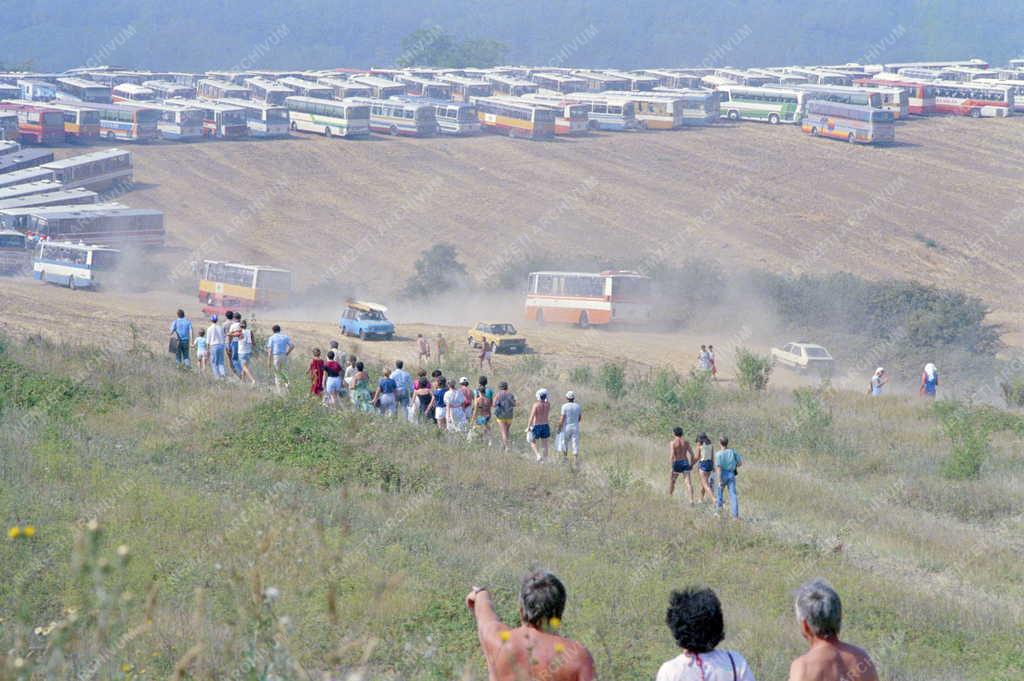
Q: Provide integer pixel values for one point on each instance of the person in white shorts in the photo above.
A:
(569, 428)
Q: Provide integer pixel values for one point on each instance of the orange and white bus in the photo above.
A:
(515, 117)
(571, 118)
(585, 299)
(233, 286)
(920, 95)
(976, 99)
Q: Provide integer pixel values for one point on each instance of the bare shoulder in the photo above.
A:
(798, 668)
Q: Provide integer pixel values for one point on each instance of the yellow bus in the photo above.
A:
(516, 117)
(233, 286)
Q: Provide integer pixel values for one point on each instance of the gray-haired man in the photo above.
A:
(820, 614)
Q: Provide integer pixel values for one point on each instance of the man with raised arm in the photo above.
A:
(820, 614)
(533, 650)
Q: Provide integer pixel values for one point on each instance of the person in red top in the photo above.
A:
(332, 379)
(316, 374)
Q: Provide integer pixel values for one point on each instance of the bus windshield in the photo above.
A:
(12, 241)
(104, 261)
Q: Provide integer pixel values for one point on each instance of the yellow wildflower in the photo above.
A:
(505, 635)
(127, 668)
(555, 622)
(29, 531)
(14, 532)
(559, 648)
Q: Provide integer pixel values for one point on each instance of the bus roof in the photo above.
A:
(44, 210)
(376, 81)
(72, 212)
(62, 198)
(252, 104)
(78, 246)
(132, 89)
(206, 104)
(292, 83)
(267, 84)
(72, 161)
(82, 83)
(244, 266)
(25, 175)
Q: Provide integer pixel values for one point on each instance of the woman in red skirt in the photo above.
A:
(316, 374)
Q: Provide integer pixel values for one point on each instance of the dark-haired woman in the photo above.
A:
(695, 619)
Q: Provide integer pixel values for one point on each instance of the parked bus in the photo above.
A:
(37, 90)
(896, 67)
(560, 83)
(593, 81)
(344, 88)
(700, 107)
(966, 73)
(232, 77)
(37, 174)
(75, 265)
(134, 123)
(20, 218)
(9, 129)
(9, 92)
(401, 116)
(463, 88)
(778, 77)
(267, 91)
(571, 118)
(638, 82)
(166, 89)
(234, 286)
(15, 191)
(382, 87)
(819, 77)
(96, 170)
(920, 95)
(515, 117)
(129, 226)
(128, 93)
(587, 299)
(220, 121)
(976, 99)
(854, 123)
(25, 158)
(775, 105)
(605, 112)
(674, 79)
(1017, 88)
(81, 121)
(655, 110)
(456, 118)
(740, 77)
(219, 89)
(84, 90)
(844, 95)
(263, 120)
(36, 123)
(511, 86)
(177, 121)
(15, 256)
(306, 88)
(347, 118)
(62, 197)
(425, 87)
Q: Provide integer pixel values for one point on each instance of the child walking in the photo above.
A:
(316, 374)
(201, 352)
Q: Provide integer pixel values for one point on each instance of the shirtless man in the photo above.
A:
(538, 426)
(820, 614)
(681, 459)
(533, 650)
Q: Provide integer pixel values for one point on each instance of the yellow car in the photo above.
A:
(502, 335)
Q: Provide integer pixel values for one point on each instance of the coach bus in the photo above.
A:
(1016, 87)
(134, 123)
(560, 83)
(130, 226)
(774, 105)
(344, 88)
(220, 121)
(263, 120)
(593, 81)
(739, 77)
(464, 88)
(778, 77)
(128, 93)
(219, 89)
(819, 77)
(515, 117)
(854, 123)
(382, 87)
(267, 91)
(638, 82)
(456, 118)
(234, 286)
(15, 255)
(166, 89)
(605, 112)
(976, 99)
(176, 121)
(9, 92)
(401, 116)
(700, 107)
(96, 170)
(654, 110)
(348, 118)
(74, 265)
(81, 121)
(844, 95)
(37, 123)
(425, 87)
(674, 79)
(587, 299)
(920, 95)
(511, 86)
(306, 88)
(84, 90)
(571, 117)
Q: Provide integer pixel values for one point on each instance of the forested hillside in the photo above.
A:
(322, 33)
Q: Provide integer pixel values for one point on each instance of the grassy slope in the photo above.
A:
(213, 487)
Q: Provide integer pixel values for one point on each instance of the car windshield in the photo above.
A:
(503, 329)
(816, 352)
(372, 316)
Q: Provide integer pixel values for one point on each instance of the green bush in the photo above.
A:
(752, 370)
(968, 432)
(812, 418)
(612, 377)
(1013, 392)
(581, 375)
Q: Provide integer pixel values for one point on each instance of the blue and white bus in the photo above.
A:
(75, 265)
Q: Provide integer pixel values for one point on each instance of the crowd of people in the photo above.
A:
(536, 650)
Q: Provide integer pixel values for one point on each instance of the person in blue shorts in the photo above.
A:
(538, 428)
(681, 459)
(929, 380)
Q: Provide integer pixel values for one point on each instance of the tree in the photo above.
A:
(438, 267)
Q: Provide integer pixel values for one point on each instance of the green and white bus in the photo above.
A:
(348, 118)
(774, 105)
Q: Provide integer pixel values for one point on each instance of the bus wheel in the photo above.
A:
(327, 131)
(110, 135)
(734, 115)
(584, 320)
(393, 131)
(975, 113)
(851, 138)
(773, 119)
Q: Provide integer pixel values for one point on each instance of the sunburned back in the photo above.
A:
(541, 411)
(531, 654)
(834, 662)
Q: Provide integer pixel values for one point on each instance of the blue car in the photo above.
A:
(366, 320)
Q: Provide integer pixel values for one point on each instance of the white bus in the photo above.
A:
(605, 112)
(75, 265)
(166, 89)
(740, 77)
(595, 81)
(654, 110)
(14, 253)
(511, 86)
(268, 91)
(84, 90)
(589, 298)
(700, 106)
(860, 96)
(37, 90)
(674, 79)
(348, 118)
(774, 105)
(306, 88)
(219, 120)
(560, 83)
(128, 93)
(177, 121)
(463, 88)
(219, 89)
(456, 118)
(96, 170)
(264, 120)
(344, 88)
(382, 87)
(425, 87)
(637, 81)
(1017, 88)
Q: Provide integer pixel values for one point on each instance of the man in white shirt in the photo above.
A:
(569, 428)
(215, 341)
(403, 387)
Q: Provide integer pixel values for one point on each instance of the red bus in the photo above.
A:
(39, 124)
(920, 96)
(975, 99)
(585, 299)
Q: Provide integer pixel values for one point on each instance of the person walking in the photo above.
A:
(403, 389)
(437, 403)
(705, 466)
(486, 353)
(350, 372)
(681, 461)
(714, 364)
(384, 398)
(537, 427)
(316, 374)
(442, 349)
(695, 619)
(181, 331)
(878, 381)
(455, 405)
(704, 359)
(245, 346)
(362, 398)
(331, 379)
(534, 649)
(504, 411)
(422, 349)
(929, 381)
(819, 612)
(423, 395)
(202, 353)
(569, 429)
(215, 339)
(483, 401)
(727, 463)
(233, 335)
(279, 347)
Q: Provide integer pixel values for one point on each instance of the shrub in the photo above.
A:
(581, 375)
(1013, 392)
(752, 370)
(812, 417)
(968, 432)
(612, 377)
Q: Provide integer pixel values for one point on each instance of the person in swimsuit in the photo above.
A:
(316, 374)
(422, 348)
(929, 381)
(538, 427)
(422, 394)
(706, 465)
(486, 353)
(437, 403)
(332, 379)
(681, 460)
(504, 411)
(362, 398)
(483, 399)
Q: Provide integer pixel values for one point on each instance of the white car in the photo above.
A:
(803, 356)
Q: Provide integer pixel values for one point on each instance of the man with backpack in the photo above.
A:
(727, 461)
(504, 410)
